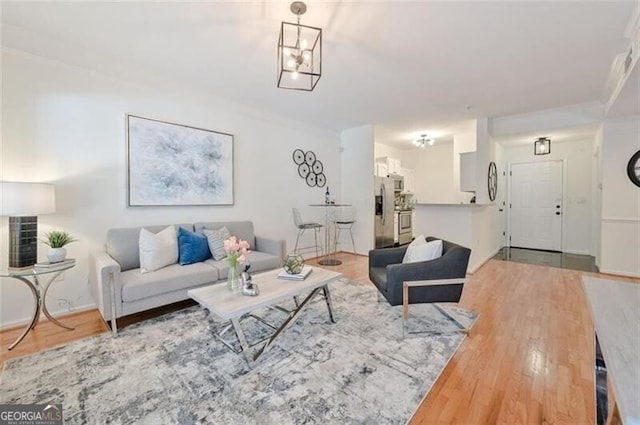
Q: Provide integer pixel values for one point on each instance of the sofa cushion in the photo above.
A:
(215, 239)
(136, 285)
(122, 244)
(260, 262)
(239, 229)
(157, 250)
(193, 247)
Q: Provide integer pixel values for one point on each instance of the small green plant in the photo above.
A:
(57, 239)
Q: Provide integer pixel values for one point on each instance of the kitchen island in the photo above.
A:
(475, 226)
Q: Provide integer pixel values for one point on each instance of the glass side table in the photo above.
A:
(31, 277)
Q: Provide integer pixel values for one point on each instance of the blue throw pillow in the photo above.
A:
(193, 247)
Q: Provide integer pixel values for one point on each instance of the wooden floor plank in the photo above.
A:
(529, 358)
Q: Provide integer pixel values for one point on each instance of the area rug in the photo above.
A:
(170, 370)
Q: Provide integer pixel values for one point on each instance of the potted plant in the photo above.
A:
(56, 240)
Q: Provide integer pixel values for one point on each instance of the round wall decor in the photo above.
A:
(309, 168)
(633, 169)
(492, 181)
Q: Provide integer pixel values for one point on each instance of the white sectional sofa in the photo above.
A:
(119, 289)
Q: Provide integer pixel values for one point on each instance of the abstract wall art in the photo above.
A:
(172, 164)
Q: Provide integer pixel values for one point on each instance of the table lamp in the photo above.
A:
(22, 203)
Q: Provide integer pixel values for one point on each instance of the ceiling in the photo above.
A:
(408, 67)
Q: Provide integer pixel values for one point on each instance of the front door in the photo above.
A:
(535, 212)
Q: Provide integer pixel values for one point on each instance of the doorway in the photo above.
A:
(535, 205)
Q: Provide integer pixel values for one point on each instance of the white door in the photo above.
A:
(536, 205)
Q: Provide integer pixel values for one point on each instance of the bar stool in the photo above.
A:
(302, 227)
(344, 220)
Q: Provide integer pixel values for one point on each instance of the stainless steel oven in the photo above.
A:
(405, 227)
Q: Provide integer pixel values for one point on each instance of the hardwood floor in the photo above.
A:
(529, 359)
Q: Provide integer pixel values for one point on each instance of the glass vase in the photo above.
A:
(233, 278)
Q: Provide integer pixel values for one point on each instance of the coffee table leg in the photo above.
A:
(327, 298)
(242, 340)
(290, 320)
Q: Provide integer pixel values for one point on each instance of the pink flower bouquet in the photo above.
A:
(237, 251)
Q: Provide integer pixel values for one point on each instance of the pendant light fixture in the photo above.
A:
(299, 53)
(542, 146)
(423, 141)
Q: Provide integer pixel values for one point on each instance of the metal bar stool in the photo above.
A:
(344, 220)
(302, 227)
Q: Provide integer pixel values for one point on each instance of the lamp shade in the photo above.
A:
(26, 199)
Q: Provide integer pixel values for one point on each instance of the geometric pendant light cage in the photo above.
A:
(542, 146)
(299, 53)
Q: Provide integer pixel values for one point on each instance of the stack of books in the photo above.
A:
(306, 270)
(46, 265)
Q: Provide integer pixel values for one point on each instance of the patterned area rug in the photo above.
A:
(170, 370)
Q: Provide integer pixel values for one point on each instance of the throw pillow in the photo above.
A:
(157, 250)
(419, 240)
(426, 252)
(216, 240)
(193, 247)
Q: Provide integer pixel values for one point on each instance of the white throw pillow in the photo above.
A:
(158, 250)
(417, 241)
(425, 252)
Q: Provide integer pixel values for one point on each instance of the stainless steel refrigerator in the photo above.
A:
(384, 209)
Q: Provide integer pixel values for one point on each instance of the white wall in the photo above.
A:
(577, 157)
(66, 125)
(406, 156)
(434, 175)
(620, 237)
(472, 226)
(357, 147)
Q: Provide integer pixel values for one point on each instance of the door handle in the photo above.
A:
(557, 206)
(557, 212)
(500, 210)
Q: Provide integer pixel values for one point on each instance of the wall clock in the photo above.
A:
(492, 181)
(309, 168)
(633, 169)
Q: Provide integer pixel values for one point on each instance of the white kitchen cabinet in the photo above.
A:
(393, 164)
(468, 172)
(381, 170)
(409, 175)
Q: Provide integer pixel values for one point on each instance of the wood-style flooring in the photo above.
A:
(528, 360)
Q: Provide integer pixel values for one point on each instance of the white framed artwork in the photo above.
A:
(172, 164)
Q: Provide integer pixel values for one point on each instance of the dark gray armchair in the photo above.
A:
(434, 281)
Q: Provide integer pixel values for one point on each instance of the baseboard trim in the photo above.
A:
(619, 273)
(59, 314)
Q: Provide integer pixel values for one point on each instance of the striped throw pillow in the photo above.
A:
(216, 239)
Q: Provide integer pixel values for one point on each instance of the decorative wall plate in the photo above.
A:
(317, 167)
(310, 158)
(311, 179)
(303, 170)
(298, 156)
(633, 169)
(320, 180)
(492, 181)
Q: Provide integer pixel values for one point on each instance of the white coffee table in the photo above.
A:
(232, 306)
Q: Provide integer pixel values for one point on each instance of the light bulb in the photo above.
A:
(303, 44)
(294, 75)
(307, 57)
(430, 142)
(291, 63)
